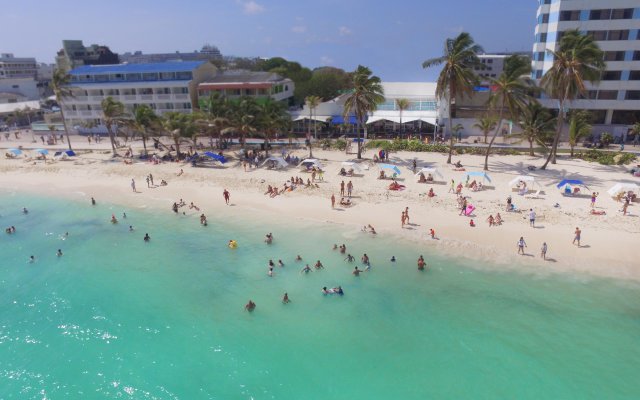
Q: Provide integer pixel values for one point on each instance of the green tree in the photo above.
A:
(312, 103)
(273, 118)
(243, 115)
(179, 126)
(486, 124)
(366, 95)
(402, 105)
(577, 60)
(145, 122)
(510, 93)
(113, 114)
(579, 127)
(61, 89)
(537, 125)
(457, 78)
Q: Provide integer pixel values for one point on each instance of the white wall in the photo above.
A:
(25, 86)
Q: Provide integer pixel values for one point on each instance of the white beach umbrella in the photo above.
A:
(622, 187)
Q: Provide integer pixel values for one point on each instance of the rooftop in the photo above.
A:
(245, 77)
(172, 66)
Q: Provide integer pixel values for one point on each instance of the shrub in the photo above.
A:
(607, 157)
(606, 139)
(341, 144)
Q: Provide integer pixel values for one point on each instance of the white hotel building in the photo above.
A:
(615, 25)
(165, 87)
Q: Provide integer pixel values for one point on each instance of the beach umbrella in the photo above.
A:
(430, 170)
(70, 153)
(16, 151)
(524, 178)
(575, 182)
(216, 157)
(484, 175)
(622, 187)
(391, 167)
(44, 152)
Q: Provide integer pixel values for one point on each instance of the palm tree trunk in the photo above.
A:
(450, 123)
(493, 138)
(486, 133)
(66, 130)
(144, 143)
(112, 140)
(572, 151)
(552, 154)
(531, 148)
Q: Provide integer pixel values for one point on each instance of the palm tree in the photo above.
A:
(145, 119)
(579, 127)
(635, 130)
(114, 113)
(510, 92)
(61, 89)
(578, 60)
(243, 117)
(179, 125)
(486, 124)
(273, 117)
(401, 105)
(457, 77)
(537, 125)
(312, 103)
(367, 93)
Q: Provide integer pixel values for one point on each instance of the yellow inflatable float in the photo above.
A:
(233, 244)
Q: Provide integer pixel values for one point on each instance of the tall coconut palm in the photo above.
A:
(510, 92)
(145, 121)
(457, 78)
(401, 105)
(273, 118)
(579, 127)
(536, 123)
(113, 114)
(61, 89)
(486, 124)
(367, 93)
(243, 116)
(312, 103)
(577, 60)
(179, 126)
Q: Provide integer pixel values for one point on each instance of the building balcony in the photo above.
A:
(181, 96)
(80, 99)
(87, 113)
(163, 96)
(129, 97)
(146, 97)
(97, 98)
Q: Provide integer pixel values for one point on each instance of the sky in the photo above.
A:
(390, 37)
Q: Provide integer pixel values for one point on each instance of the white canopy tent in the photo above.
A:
(524, 178)
(352, 165)
(278, 162)
(430, 170)
(309, 163)
(622, 187)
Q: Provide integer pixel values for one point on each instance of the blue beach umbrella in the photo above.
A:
(391, 167)
(15, 151)
(484, 175)
(216, 157)
(44, 152)
(70, 153)
(566, 182)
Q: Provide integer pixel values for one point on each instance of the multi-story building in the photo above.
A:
(169, 86)
(233, 84)
(17, 67)
(207, 53)
(615, 26)
(15, 90)
(74, 54)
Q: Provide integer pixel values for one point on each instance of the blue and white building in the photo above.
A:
(165, 87)
(615, 25)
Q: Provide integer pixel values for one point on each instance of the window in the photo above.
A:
(573, 15)
(600, 14)
(622, 13)
(15, 86)
(598, 35)
(618, 35)
(490, 61)
(539, 56)
(545, 2)
(539, 74)
(543, 38)
(545, 18)
(608, 95)
(634, 75)
(636, 56)
(184, 75)
(598, 116)
(614, 55)
(633, 95)
(589, 95)
(611, 75)
(167, 76)
(625, 117)
(149, 76)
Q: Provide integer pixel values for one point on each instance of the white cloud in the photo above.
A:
(251, 7)
(325, 60)
(299, 29)
(344, 31)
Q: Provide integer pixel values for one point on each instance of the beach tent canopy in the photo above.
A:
(622, 187)
(44, 152)
(350, 164)
(17, 152)
(484, 175)
(278, 161)
(575, 182)
(391, 167)
(309, 163)
(430, 170)
(339, 119)
(524, 178)
(216, 157)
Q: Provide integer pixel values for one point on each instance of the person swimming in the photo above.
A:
(32, 259)
(59, 253)
(298, 258)
(393, 258)
(114, 220)
(271, 263)
(318, 265)
(421, 263)
(25, 211)
(306, 269)
(130, 228)
(147, 237)
(350, 258)
(250, 306)
(268, 238)
(285, 298)
(280, 263)
(356, 271)
(270, 273)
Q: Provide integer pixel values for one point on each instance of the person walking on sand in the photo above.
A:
(543, 251)
(532, 218)
(594, 196)
(342, 189)
(406, 214)
(148, 181)
(403, 219)
(349, 188)
(577, 234)
(226, 196)
(333, 200)
(452, 189)
(151, 179)
(133, 185)
(521, 245)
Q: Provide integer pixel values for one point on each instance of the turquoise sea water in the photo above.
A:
(117, 318)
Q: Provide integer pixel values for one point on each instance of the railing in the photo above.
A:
(86, 113)
(181, 96)
(80, 98)
(163, 96)
(129, 97)
(68, 114)
(146, 97)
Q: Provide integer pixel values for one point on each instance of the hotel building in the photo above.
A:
(165, 87)
(614, 102)
(260, 85)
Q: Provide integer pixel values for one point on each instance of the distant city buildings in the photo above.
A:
(615, 26)
(207, 53)
(74, 54)
(17, 67)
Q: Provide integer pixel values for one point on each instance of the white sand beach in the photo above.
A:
(608, 241)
